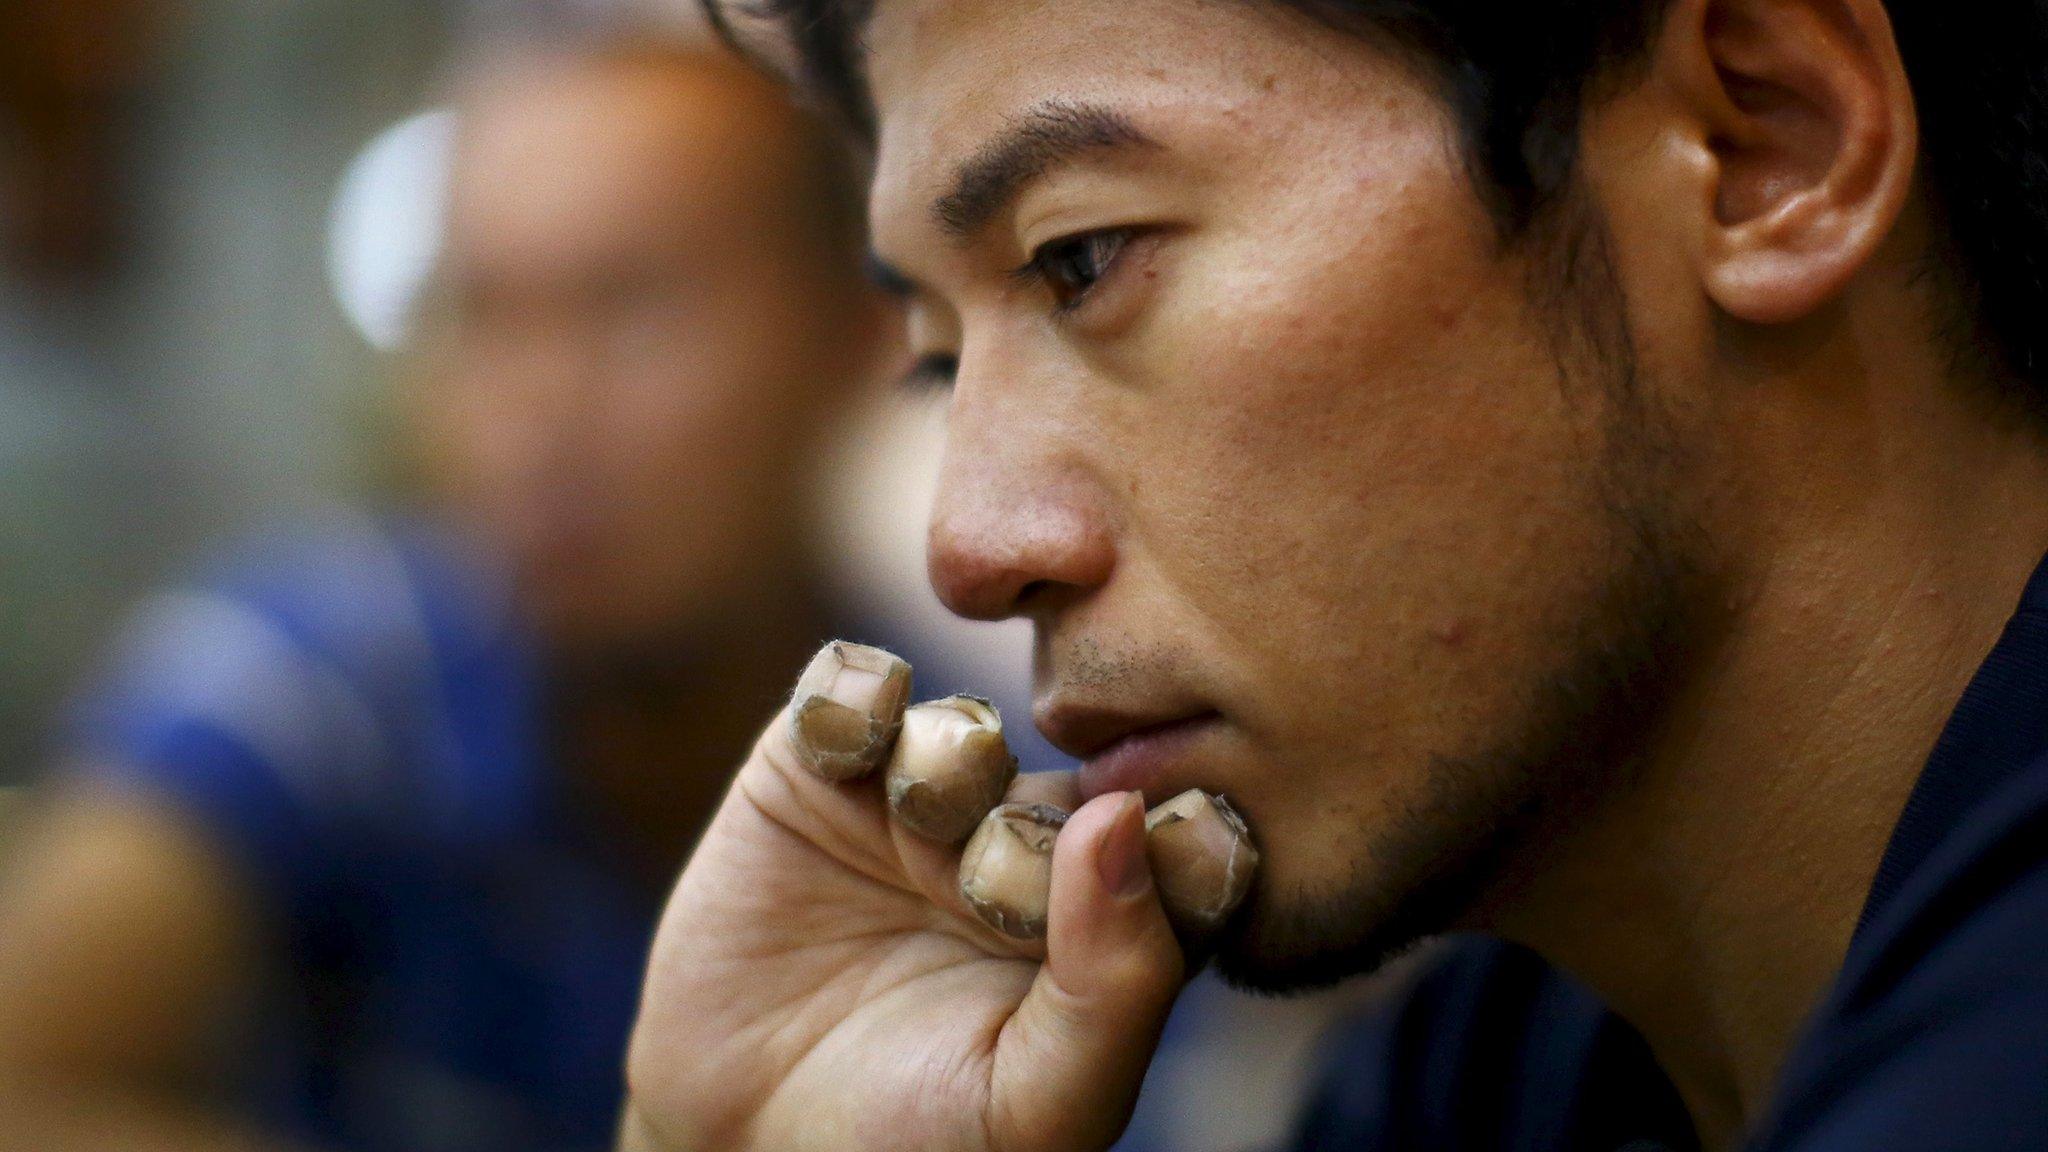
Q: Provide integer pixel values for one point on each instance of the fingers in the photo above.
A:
(1006, 871)
(948, 765)
(847, 711)
(1107, 929)
(951, 766)
(1204, 858)
(1062, 790)
(1077, 890)
(951, 778)
(1113, 967)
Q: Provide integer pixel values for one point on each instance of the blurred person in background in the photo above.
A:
(68, 68)
(366, 829)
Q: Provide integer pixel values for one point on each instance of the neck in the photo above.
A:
(1716, 926)
(649, 736)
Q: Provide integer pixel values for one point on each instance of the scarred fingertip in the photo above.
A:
(950, 768)
(1006, 868)
(1205, 859)
(848, 709)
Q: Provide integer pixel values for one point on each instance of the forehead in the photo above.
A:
(585, 158)
(948, 75)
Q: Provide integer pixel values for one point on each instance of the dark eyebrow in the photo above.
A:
(1049, 135)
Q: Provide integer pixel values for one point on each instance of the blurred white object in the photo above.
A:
(386, 226)
(877, 504)
(877, 501)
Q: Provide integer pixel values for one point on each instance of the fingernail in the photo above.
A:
(950, 767)
(848, 708)
(1006, 869)
(1206, 860)
(1121, 858)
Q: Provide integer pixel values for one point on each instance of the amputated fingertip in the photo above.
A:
(848, 709)
(1006, 869)
(950, 768)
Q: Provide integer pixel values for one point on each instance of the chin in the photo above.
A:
(1294, 956)
(584, 637)
(1408, 884)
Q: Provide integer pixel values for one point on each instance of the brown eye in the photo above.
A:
(1072, 266)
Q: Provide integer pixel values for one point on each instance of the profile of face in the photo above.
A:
(642, 328)
(1314, 493)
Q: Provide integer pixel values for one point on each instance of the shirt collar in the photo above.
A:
(1997, 729)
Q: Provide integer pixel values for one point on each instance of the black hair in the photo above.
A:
(1517, 74)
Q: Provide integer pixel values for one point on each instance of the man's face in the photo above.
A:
(636, 347)
(1310, 504)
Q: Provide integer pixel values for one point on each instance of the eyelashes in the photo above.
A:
(1070, 267)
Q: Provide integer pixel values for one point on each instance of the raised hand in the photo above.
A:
(819, 982)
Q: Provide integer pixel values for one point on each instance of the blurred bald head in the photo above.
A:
(651, 306)
(681, 146)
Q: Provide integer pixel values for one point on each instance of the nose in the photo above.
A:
(1019, 520)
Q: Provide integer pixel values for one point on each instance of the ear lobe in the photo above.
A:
(1812, 130)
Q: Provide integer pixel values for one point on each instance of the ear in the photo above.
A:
(1807, 122)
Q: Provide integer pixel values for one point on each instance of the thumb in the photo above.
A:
(1086, 1031)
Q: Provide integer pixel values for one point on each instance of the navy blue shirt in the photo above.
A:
(1934, 1036)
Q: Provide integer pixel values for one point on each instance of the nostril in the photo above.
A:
(1031, 593)
(971, 583)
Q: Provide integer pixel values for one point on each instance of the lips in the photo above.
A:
(1128, 752)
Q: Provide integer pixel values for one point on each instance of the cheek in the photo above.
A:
(1389, 475)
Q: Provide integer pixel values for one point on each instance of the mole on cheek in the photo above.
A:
(1449, 633)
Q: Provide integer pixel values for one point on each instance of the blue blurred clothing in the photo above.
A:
(1935, 1035)
(350, 708)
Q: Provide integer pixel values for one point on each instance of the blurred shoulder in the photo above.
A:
(337, 573)
(332, 682)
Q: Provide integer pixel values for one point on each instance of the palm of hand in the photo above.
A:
(861, 1005)
(819, 982)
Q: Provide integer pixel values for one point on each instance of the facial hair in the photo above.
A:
(1487, 817)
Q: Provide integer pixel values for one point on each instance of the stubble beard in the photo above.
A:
(1487, 819)
(1484, 821)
